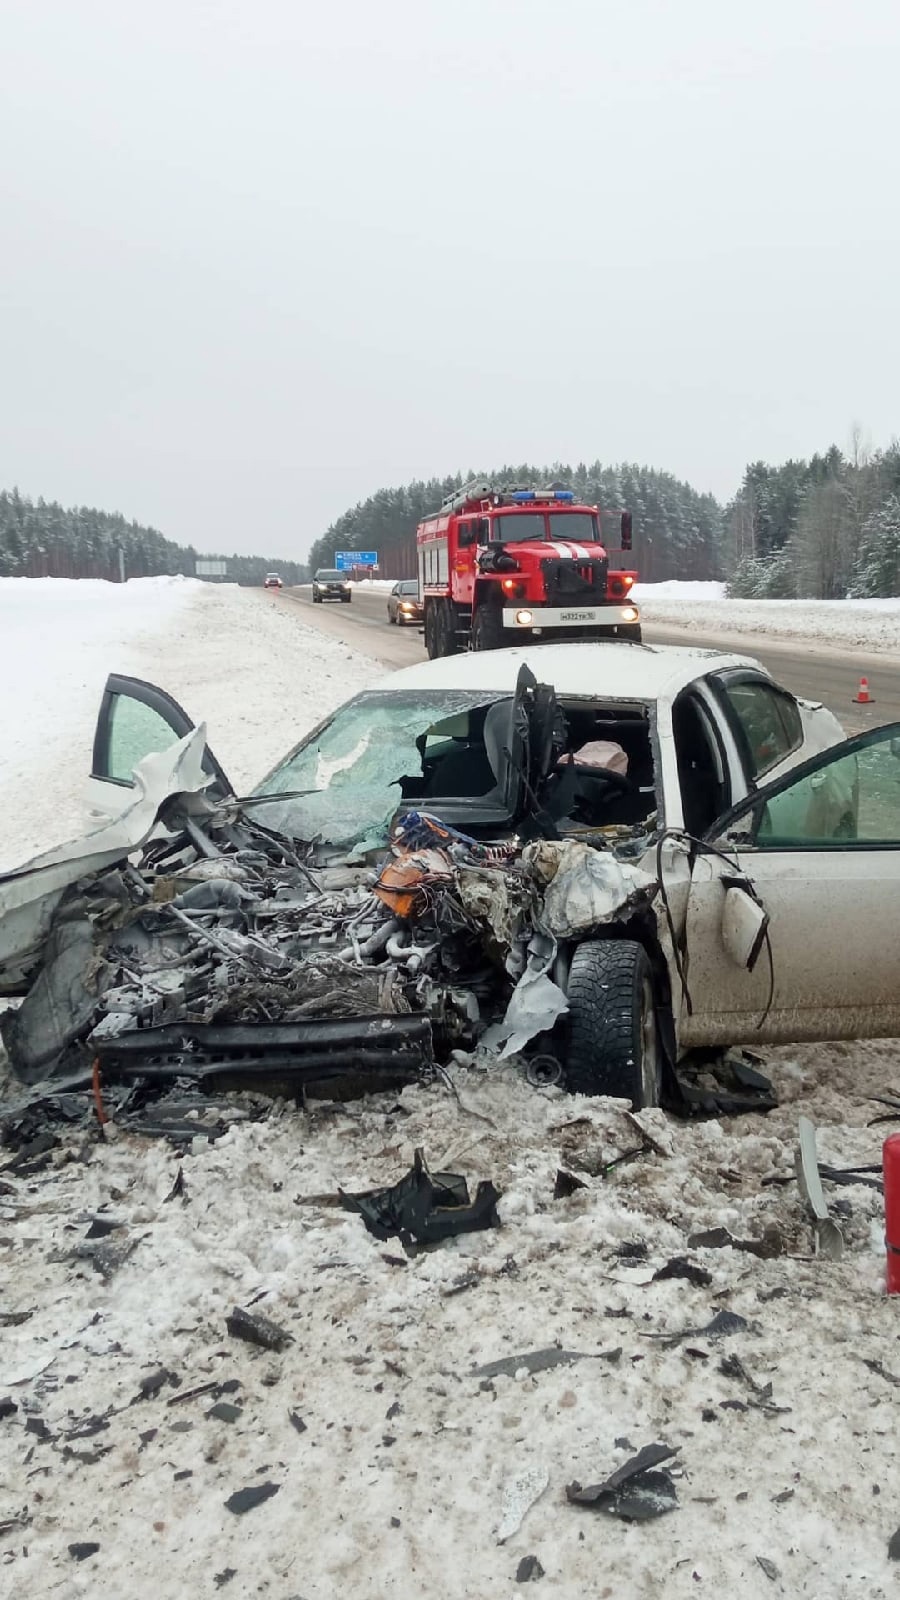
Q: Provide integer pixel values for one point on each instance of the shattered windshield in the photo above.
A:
(353, 765)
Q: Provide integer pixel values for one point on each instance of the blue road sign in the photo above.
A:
(345, 559)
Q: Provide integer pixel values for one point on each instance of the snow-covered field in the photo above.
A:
(841, 624)
(239, 658)
(393, 1460)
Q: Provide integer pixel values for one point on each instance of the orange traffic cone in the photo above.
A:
(863, 698)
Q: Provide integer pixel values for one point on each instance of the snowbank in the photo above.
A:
(863, 624)
(240, 659)
(390, 1454)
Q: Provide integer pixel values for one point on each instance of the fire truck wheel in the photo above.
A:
(444, 629)
(487, 628)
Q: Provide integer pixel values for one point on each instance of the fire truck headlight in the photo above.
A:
(630, 613)
(524, 618)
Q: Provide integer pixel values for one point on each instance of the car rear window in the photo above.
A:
(768, 720)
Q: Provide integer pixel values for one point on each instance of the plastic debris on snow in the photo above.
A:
(636, 1491)
(425, 1208)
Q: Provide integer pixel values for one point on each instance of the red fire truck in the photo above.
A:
(497, 565)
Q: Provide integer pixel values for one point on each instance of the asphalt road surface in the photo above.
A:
(814, 671)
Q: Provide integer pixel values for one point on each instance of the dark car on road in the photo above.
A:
(328, 584)
(404, 604)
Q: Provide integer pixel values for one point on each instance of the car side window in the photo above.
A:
(768, 722)
(851, 801)
(135, 731)
(848, 798)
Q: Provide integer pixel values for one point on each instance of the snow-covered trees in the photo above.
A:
(43, 540)
(878, 567)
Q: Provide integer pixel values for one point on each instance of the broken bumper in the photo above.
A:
(381, 1051)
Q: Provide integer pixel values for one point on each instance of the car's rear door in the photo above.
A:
(820, 849)
(136, 719)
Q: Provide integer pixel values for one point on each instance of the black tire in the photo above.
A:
(345, 599)
(614, 1045)
(487, 627)
(445, 641)
(390, 618)
(317, 599)
(430, 631)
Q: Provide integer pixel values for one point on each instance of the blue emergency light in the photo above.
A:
(524, 494)
(565, 494)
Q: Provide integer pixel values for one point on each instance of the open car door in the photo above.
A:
(137, 719)
(793, 919)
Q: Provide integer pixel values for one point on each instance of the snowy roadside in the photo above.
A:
(843, 624)
(390, 1454)
(240, 659)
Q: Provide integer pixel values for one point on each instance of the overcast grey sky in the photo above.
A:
(259, 260)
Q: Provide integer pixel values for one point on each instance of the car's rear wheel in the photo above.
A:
(614, 1044)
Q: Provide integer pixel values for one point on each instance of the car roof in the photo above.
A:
(617, 670)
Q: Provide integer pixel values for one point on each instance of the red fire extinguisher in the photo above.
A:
(891, 1164)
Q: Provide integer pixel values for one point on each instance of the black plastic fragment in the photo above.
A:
(81, 1550)
(224, 1411)
(531, 1360)
(88, 1427)
(155, 1381)
(566, 1184)
(225, 1576)
(710, 1239)
(894, 1546)
(529, 1570)
(723, 1324)
(102, 1226)
(38, 1426)
(257, 1329)
(8, 1407)
(680, 1267)
(636, 1492)
(425, 1207)
(248, 1499)
(296, 1421)
(177, 1188)
(769, 1568)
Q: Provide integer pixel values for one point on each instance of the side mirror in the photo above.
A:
(744, 924)
(627, 524)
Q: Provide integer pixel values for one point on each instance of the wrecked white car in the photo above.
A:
(601, 857)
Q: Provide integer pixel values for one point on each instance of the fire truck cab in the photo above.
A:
(497, 565)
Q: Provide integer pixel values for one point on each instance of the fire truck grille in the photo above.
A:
(574, 580)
